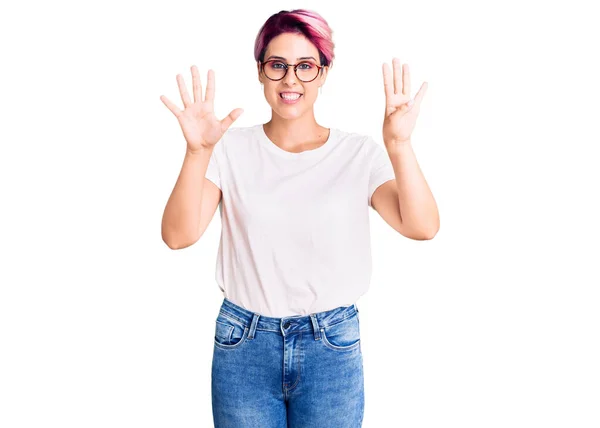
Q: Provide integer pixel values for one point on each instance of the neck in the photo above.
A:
(293, 133)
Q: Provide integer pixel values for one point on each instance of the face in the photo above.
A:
(291, 47)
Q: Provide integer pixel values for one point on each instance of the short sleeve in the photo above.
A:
(381, 168)
(214, 171)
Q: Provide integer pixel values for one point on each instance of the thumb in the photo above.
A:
(230, 118)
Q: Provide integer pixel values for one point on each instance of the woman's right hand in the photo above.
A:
(200, 126)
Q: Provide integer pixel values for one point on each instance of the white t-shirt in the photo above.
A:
(295, 235)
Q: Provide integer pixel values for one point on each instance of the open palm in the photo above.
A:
(400, 111)
(200, 126)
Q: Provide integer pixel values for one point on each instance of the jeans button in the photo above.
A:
(286, 325)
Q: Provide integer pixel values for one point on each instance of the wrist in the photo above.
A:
(398, 146)
(198, 152)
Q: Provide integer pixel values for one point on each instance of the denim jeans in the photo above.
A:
(296, 371)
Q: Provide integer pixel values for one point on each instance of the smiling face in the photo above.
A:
(293, 48)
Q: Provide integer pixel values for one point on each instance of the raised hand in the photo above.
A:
(400, 111)
(200, 126)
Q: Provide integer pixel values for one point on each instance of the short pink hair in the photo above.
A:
(299, 21)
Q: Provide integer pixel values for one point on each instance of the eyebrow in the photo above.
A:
(302, 57)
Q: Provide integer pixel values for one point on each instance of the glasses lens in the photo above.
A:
(274, 70)
(306, 71)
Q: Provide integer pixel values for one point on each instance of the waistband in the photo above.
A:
(286, 325)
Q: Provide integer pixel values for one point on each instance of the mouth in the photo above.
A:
(289, 93)
(290, 97)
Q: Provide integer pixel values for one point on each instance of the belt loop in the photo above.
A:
(253, 326)
(315, 324)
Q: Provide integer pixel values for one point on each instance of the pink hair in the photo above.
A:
(299, 21)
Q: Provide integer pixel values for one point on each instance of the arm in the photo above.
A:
(407, 200)
(181, 218)
(407, 203)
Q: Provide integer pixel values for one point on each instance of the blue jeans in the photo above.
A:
(295, 371)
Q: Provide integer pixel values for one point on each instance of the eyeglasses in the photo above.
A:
(306, 71)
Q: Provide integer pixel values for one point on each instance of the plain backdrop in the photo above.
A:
(493, 323)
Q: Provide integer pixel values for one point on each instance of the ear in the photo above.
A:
(323, 77)
(258, 71)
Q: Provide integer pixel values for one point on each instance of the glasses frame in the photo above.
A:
(287, 67)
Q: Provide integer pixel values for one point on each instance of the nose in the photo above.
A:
(290, 77)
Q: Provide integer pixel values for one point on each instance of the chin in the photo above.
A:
(289, 114)
(289, 110)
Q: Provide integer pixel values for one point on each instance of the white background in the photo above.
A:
(493, 323)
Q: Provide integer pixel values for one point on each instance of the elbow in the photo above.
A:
(178, 245)
(178, 242)
(170, 242)
(421, 235)
(430, 234)
(172, 245)
(428, 237)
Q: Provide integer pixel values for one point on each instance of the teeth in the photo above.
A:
(290, 97)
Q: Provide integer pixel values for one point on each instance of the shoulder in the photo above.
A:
(238, 133)
(363, 143)
(235, 137)
(354, 138)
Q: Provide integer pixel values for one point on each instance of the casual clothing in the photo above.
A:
(295, 372)
(295, 236)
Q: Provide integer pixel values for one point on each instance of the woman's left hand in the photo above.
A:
(400, 111)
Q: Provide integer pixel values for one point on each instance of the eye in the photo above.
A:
(307, 64)
(278, 65)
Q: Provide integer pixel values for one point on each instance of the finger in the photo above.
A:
(210, 86)
(420, 94)
(197, 84)
(174, 109)
(185, 97)
(406, 80)
(227, 121)
(397, 76)
(387, 83)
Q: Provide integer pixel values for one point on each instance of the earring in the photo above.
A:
(321, 89)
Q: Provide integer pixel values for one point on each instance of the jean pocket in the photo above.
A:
(229, 332)
(343, 336)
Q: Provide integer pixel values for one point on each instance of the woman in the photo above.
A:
(294, 254)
